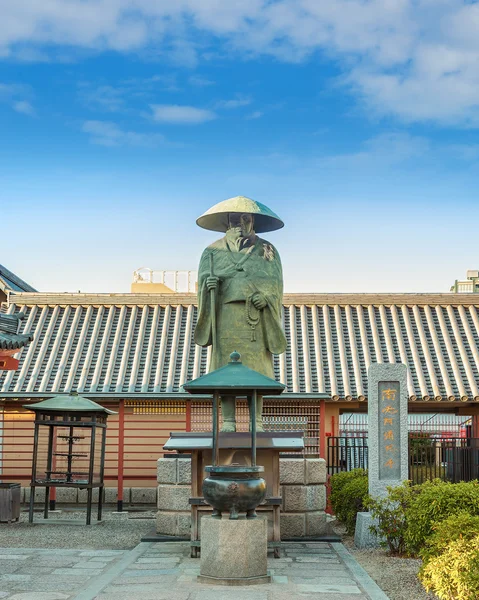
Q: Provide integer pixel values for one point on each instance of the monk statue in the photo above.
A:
(243, 273)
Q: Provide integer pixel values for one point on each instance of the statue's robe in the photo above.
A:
(242, 273)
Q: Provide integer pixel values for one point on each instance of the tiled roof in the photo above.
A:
(134, 343)
(10, 339)
(11, 282)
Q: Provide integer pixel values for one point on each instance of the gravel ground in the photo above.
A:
(113, 533)
(397, 577)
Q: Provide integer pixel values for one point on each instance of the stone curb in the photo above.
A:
(362, 577)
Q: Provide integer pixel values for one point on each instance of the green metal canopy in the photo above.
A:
(216, 218)
(234, 376)
(69, 403)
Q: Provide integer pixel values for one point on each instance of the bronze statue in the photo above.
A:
(240, 292)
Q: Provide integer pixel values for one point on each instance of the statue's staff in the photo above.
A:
(216, 416)
(213, 308)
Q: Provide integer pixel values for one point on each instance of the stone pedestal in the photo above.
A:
(234, 552)
(363, 536)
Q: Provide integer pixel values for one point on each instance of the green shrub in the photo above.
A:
(432, 502)
(349, 493)
(390, 513)
(454, 574)
(462, 526)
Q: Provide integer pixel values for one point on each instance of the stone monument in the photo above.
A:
(240, 293)
(387, 438)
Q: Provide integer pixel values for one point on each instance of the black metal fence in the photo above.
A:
(451, 459)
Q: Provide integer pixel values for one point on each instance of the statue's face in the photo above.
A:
(243, 221)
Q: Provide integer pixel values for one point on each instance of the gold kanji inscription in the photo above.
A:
(389, 463)
(388, 421)
(389, 394)
(390, 410)
(389, 435)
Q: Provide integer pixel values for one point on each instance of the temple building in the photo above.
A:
(132, 352)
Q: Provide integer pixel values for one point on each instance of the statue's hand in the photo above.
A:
(259, 301)
(212, 283)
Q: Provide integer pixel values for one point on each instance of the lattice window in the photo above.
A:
(157, 407)
(278, 415)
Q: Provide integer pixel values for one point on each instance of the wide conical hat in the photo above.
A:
(216, 218)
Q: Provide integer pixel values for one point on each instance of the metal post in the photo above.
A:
(216, 449)
(121, 448)
(49, 469)
(90, 474)
(102, 472)
(34, 472)
(253, 427)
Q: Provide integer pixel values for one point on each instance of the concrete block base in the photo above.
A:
(243, 581)
(363, 536)
(234, 552)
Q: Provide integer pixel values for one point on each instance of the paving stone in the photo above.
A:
(331, 588)
(229, 593)
(102, 559)
(318, 559)
(157, 560)
(280, 579)
(145, 592)
(159, 580)
(14, 556)
(36, 570)
(150, 572)
(74, 572)
(39, 596)
(171, 564)
(319, 579)
(102, 553)
(14, 577)
(89, 565)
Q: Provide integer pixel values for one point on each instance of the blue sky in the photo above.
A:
(357, 121)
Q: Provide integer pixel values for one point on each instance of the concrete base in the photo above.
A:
(234, 552)
(363, 536)
(238, 581)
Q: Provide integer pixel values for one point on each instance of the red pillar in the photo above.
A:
(121, 452)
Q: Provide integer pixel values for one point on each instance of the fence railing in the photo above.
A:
(451, 459)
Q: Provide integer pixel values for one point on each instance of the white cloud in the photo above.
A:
(106, 133)
(413, 59)
(257, 114)
(199, 81)
(24, 107)
(237, 102)
(14, 94)
(384, 150)
(187, 115)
